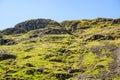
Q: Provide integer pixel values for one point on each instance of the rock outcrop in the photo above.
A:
(30, 25)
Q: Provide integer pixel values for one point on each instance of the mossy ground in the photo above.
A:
(56, 53)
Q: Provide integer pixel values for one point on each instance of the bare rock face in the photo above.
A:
(115, 65)
(116, 21)
(30, 25)
(36, 24)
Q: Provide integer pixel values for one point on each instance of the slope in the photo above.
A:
(73, 50)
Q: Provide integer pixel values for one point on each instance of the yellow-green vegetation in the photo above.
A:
(75, 50)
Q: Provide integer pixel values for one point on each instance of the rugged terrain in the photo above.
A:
(43, 49)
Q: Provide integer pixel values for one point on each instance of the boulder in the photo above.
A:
(109, 37)
(30, 71)
(41, 70)
(29, 65)
(71, 70)
(7, 42)
(96, 37)
(4, 56)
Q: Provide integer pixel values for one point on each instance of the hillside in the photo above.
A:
(43, 49)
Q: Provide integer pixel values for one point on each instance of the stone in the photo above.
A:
(40, 70)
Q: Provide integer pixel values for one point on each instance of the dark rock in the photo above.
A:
(30, 71)
(62, 50)
(13, 30)
(109, 37)
(33, 36)
(9, 31)
(100, 66)
(84, 27)
(27, 57)
(41, 70)
(7, 78)
(7, 42)
(29, 65)
(71, 70)
(7, 56)
(96, 37)
(62, 76)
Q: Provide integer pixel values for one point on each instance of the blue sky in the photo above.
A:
(15, 11)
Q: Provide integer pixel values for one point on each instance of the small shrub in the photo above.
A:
(34, 36)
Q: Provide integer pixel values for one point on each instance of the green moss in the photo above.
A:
(89, 59)
(104, 61)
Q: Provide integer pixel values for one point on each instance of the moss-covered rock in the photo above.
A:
(30, 25)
